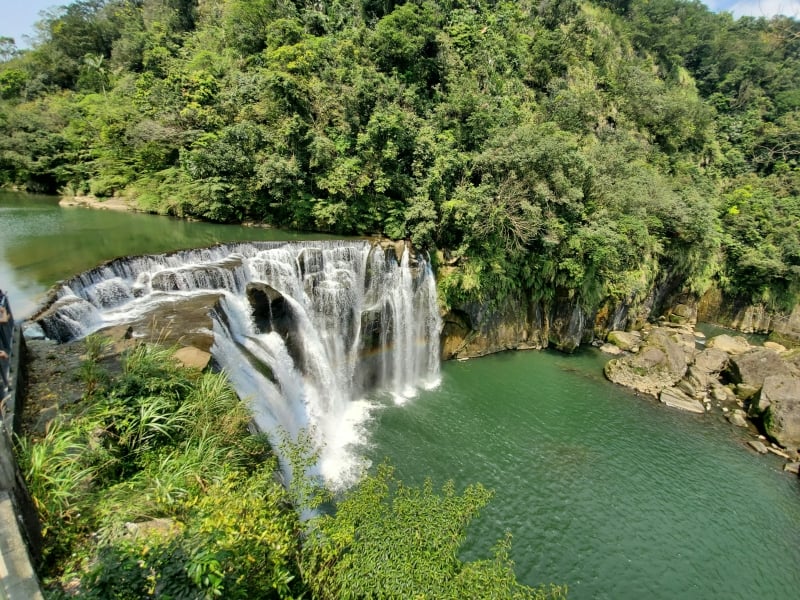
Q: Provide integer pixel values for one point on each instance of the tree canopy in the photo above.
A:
(560, 146)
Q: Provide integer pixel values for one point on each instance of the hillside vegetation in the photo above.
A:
(560, 147)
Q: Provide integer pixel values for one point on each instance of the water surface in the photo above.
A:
(613, 494)
(41, 242)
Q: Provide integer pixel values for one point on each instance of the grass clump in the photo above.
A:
(154, 487)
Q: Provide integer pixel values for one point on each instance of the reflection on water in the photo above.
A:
(41, 242)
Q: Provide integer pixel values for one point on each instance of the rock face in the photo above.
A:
(660, 363)
(476, 330)
(713, 307)
(766, 381)
(779, 405)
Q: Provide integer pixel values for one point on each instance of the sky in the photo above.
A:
(18, 16)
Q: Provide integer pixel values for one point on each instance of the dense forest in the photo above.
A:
(555, 146)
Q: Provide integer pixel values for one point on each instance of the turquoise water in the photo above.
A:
(612, 494)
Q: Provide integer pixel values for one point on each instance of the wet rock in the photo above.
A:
(737, 418)
(567, 326)
(729, 344)
(758, 446)
(675, 398)
(474, 329)
(792, 467)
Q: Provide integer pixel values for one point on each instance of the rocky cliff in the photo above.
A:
(522, 322)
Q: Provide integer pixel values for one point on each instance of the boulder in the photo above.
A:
(792, 467)
(661, 363)
(729, 344)
(625, 340)
(193, 358)
(752, 367)
(779, 403)
(710, 361)
(737, 418)
(758, 446)
(675, 398)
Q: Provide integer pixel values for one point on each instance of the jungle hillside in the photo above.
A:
(545, 146)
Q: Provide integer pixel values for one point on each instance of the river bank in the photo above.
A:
(119, 203)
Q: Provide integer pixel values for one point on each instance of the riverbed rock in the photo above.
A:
(625, 340)
(675, 398)
(729, 344)
(711, 361)
(779, 404)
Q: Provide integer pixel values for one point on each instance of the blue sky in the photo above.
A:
(18, 16)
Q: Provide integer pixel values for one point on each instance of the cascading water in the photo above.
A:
(304, 330)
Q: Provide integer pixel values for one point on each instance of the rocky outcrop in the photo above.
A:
(660, 363)
(667, 366)
(749, 370)
(779, 407)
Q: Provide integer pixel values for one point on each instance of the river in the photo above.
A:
(612, 494)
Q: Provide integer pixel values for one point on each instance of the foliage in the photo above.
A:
(529, 141)
(388, 540)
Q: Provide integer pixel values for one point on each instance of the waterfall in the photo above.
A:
(309, 333)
